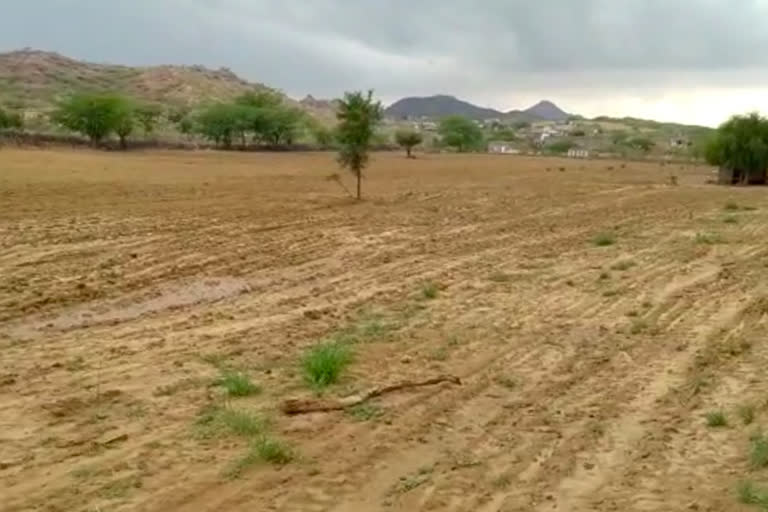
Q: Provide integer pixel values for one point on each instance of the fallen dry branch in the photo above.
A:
(306, 405)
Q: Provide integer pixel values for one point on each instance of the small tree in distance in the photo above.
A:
(358, 116)
(460, 133)
(408, 139)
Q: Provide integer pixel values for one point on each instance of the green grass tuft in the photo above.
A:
(709, 238)
(323, 364)
(732, 206)
(215, 421)
(237, 384)
(747, 414)
(429, 290)
(716, 419)
(604, 239)
(751, 494)
(730, 220)
(261, 450)
(758, 453)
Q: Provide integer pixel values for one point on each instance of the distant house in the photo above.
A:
(578, 153)
(502, 147)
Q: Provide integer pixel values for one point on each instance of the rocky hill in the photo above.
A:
(438, 106)
(31, 79)
(442, 105)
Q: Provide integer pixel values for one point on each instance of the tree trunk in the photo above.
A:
(359, 178)
(408, 152)
(123, 143)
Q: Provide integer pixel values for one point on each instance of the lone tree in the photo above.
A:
(460, 133)
(408, 139)
(358, 115)
(740, 147)
(94, 115)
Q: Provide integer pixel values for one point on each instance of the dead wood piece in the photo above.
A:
(306, 405)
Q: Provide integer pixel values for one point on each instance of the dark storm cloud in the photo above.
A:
(479, 48)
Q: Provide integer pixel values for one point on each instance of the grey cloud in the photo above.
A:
(478, 49)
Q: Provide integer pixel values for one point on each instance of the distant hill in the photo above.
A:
(442, 105)
(35, 80)
(545, 111)
(438, 106)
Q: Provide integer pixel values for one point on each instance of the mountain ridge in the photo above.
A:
(441, 105)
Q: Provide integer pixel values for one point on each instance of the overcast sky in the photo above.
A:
(685, 60)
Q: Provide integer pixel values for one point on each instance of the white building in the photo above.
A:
(578, 153)
(502, 147)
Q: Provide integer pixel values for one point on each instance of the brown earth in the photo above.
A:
(127, 280)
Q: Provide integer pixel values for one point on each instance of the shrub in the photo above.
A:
(323, 364)
(237, 384)
(604, 239)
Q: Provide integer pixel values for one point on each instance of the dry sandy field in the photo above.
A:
(607, 326)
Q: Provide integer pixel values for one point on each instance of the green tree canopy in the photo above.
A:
(10, 121)
(95, 115)
(408, 139)
(358, 115)
(460, 133)
(741, 143)
(147, 115)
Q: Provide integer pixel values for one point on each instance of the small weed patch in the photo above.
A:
(429, 290)
(623, 266)
(751, 494)
(216, 421)
(323, 364)
(604, 239)
(747, 414)
(730, 220)
(364, 412)
(638, 326)
(604, 276)
(237, 384)
(500, 277)
(732, 206)
(263, 449)
(506, 382)
(709, 238)
(758, 452)
(716, 419)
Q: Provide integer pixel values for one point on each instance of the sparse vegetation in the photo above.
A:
(758, 453)
(323, 364)
(638, 326)
(708, 238)
(216, 420)
(730, 220)
(716, 419)
(237, 384)
(261, 450)
(364, 412)
(623, 265)
(429, 290)
(751, 494)
(747, 414)
(604, 239)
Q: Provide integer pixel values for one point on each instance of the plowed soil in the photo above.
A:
(129, 281)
